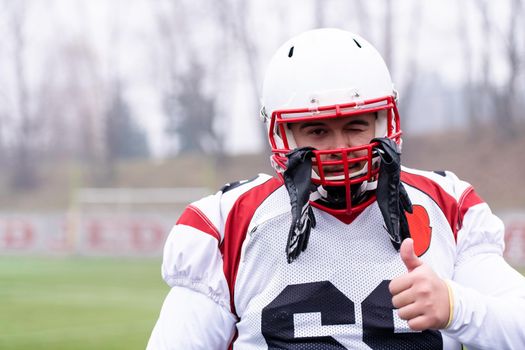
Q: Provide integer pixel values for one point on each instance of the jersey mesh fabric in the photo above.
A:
(344, 265)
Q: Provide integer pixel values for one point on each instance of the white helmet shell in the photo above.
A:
(324, 67)
(325, 73)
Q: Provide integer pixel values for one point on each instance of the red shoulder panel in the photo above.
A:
(468, 199)
(445, 201)
(454, 210)
(236, 228)
(192, 216)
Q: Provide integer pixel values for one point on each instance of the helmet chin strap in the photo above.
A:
(297, 181)
(336, 196)
(392, 198)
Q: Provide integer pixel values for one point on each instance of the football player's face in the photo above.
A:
(336, 133)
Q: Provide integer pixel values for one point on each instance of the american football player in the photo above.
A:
(344, 248)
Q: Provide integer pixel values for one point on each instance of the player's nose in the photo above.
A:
(340, 140)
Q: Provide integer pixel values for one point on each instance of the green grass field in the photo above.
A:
(78, 303)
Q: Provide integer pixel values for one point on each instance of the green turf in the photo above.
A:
(78, 303)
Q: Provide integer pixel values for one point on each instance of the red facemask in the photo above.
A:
(352, 187)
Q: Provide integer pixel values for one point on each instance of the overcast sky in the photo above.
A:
(273, 22)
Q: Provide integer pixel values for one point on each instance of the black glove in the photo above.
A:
(297, 181)
(392, 197)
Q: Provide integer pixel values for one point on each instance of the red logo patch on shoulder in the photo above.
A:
(420, 230)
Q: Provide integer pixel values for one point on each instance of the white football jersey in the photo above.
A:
(233, 287)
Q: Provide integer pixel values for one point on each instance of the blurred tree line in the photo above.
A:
(70, 103)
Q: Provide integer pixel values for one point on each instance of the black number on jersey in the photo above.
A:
(378, 325)
(323, 297)
(336, 309)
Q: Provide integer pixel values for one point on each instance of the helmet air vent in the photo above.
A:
(290, 53)
(357, 43)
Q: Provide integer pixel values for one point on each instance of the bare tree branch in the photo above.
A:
(388, 35)
(469, 85)
(25, 133)
(504, 100)
(320, 13)
(363, 17)
(411, 68)
(191, 112)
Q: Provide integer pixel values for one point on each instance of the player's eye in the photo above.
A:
(316, 131)
(355, 129)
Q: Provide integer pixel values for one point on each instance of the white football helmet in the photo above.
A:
(330, 73)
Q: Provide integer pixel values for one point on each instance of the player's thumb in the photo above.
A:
(408, 255)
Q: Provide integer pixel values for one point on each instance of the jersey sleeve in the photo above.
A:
(191, 320)
(488, 294)
(196, 313)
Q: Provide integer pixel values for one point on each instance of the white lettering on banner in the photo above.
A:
(124, 235)
(93, 234)
(17, 234)
(139, 234)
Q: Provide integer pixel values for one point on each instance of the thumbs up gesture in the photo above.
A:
(420, 295)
